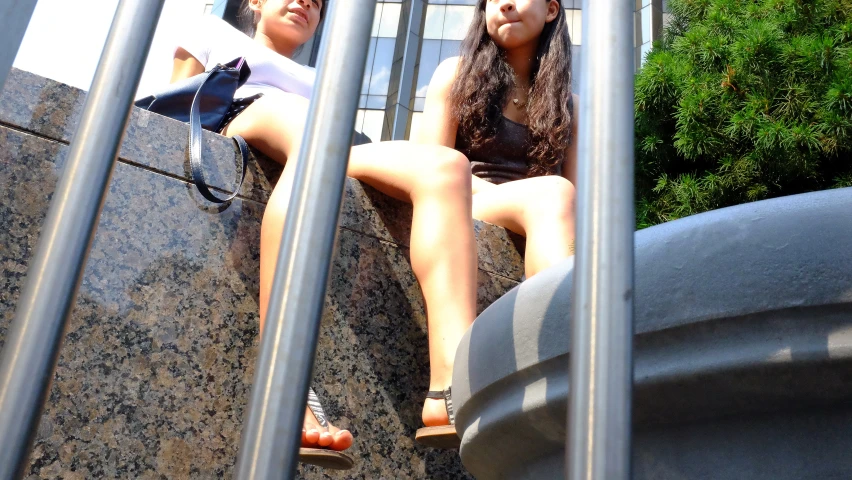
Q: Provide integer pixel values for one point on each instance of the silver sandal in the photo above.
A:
(323, 457)
(444, 436)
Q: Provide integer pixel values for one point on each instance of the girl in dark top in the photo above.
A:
(506, 103)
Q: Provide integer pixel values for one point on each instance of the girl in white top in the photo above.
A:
(213, 41)
(435, 179)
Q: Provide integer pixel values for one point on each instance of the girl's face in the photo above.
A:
(292, 20)
(513, 23)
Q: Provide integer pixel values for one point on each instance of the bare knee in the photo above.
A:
(554, 199)
(446, 172)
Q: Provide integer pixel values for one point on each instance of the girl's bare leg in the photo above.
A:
(436, 180)
(540, 208)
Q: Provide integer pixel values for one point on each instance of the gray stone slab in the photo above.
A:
(157, 364)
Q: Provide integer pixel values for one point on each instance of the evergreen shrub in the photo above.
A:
(743, 100)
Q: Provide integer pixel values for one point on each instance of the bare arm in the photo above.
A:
(569, 165)
(438, 125)
(185, 66)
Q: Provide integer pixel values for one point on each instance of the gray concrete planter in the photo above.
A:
(743, 352)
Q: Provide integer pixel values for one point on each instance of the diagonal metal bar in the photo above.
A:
(272, 434)
(599, 430)
(32, 345)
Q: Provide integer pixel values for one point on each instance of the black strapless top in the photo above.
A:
(504, 158)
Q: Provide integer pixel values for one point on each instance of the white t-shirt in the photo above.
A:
(213, 41)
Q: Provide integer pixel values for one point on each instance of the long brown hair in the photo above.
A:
(485, 80)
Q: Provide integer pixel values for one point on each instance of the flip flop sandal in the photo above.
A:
(323, 457)
(445, 436)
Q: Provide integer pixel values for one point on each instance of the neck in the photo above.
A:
(282, 48)
(521, 61)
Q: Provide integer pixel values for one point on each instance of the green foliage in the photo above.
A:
(744, 100)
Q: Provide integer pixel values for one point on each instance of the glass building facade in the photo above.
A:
(411, 37)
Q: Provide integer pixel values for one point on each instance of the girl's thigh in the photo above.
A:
(272, 124)
(405, 170)
(514, 205)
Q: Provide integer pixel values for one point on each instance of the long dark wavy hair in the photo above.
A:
(247, 22)
(485, 81)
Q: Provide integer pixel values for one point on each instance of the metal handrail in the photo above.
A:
(599, 419)
(272, 433)
(32, 345)
(15, 16)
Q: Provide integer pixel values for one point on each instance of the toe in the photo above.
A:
(342, 440)
(312, 431)
(311, 438)
(325, 439)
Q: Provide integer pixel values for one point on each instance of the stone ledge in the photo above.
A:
(50, 109)
(155, 371)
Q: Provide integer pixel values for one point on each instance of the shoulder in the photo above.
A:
(447, 71)
(444, 76)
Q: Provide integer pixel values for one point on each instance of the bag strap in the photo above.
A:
(195, 164)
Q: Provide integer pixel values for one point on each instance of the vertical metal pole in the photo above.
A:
(272, 434)
(14, 18)
(33, 342)
(599, 426)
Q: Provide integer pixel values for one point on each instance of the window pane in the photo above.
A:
(373, 120)
(457, 21)
(430, 54)
(576, 62)
(382, 66)
(646, 24)
(575, 25)
(434, 21)
(419, 104)
(645, 49)
(377, 20)
(450, 48)
(390, 20)
(376, 102)
(359, 121)
(371, 53)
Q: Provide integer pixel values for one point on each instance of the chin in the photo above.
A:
(295, 32)
(508, 40)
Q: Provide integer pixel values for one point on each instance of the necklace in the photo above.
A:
(520, 104)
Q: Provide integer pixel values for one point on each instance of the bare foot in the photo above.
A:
(435, 413)
(316, 436)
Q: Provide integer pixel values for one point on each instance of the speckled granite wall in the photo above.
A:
(159, 356)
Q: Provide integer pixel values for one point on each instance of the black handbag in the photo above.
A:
(203, 101)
